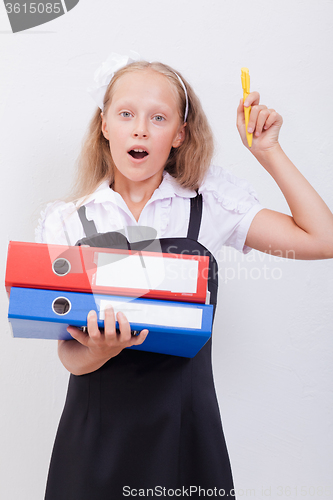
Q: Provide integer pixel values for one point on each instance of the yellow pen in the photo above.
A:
(246, 90)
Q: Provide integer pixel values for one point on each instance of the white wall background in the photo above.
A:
(273, 337)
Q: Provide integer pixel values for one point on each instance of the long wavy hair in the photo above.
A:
(188, 163)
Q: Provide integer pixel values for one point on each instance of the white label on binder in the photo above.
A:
(116, 270)
(155, 314)
(147, 272)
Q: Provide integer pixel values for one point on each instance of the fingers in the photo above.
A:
(258, 116)
(261, 120)
(265, 119)
(124, 327)
(91, 335)
(125, 334)
(252, 99)
(139, 339)
(110, 333)
(96, 339)
(94, 333)
(78, 335)
(263, 123)
(274, 118)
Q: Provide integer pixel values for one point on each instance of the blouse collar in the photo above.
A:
(169, 188)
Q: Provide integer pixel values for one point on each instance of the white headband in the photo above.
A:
(104, 74)
(186, 96)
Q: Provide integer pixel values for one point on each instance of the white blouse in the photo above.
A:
(229, 206)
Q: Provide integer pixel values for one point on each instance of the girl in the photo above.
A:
(137, 423)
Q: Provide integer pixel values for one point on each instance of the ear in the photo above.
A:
(105, 131)
(180, 137)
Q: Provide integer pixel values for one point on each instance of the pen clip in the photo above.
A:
(245, 76)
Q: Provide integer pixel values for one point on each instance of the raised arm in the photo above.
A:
(308, 232)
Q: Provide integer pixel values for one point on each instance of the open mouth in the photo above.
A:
(138, 154)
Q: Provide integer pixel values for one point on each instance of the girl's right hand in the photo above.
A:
(105, 345)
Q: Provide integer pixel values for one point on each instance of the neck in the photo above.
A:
(136, 193)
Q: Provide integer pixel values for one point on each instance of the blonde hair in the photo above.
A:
(188, 163)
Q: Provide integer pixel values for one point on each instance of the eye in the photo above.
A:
(159, 118)
(125, 114)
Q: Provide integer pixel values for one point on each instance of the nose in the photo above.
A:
(140, 129)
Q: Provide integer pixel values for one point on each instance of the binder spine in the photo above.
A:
(38, 313)
(92, 270)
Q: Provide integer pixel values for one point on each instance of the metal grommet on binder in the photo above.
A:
(61, 306)
(61, 267)
(134, 333)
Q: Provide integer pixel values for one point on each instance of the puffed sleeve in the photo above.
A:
(230, 204)
(59, 224)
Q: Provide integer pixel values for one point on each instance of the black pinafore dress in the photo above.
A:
(144, 424)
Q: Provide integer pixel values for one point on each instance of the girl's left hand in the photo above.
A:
(264, 123)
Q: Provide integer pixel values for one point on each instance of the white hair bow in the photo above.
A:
(108, 68)
(105, 72)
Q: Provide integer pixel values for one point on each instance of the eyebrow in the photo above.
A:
(159, 107)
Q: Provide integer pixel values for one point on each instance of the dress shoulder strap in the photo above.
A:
(195, 217)
(88, 225)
